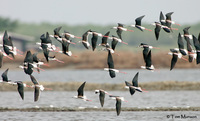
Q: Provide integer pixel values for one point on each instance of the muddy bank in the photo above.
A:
(72, 86)
(98, 59)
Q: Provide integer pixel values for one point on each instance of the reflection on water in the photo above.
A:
(100, 76)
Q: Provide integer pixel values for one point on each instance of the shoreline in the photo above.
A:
(72, 86)
(98, 60)
(66, 109)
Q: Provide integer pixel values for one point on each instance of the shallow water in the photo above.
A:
(64, 99)
(101, 76)
(101, 116)
(140, 100)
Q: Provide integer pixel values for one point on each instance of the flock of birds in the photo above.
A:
(32, 62)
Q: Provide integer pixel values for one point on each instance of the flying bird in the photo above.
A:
(37, 88)
(148, 62)
(56, 33)
(186, 34)
(8, 45)
(169, 20)
(5, 77)
(65, 47)
(104, 42)
(138, 25)
(85, 39)
(197, 47)
(181, 45)
(69, 35)
(146, 49)
(81, 93)
(101, 96)
(118, 103)
(94, 40)
(175, 55)
(120, 28)
(158, 28)
(134, 86)
(111, 67)
(20, 84)
(20, 88)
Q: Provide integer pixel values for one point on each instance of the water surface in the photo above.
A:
(101, 76)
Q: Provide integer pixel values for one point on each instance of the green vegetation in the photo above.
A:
(132, 38)
(7, 24)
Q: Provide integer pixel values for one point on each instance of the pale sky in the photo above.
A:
(99, 11)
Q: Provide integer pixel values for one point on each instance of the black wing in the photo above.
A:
(162, 18)
(118, 106)
(145, 52)
(112, 73)
(111, 65)
(157, 31)
(131, 90)
(174, 60)
(196, 43)
(173, 50)
(29, 69)
(119, 33)
(57, 30)
(85, 36)
(7, 39)
(102, 97)
(35, 58)
(45, 52)
(35, 82)
(4, 75)
(114, 43)
(110, 61)
(1, 59)
(185, 30)
(120, 25)
(138, 20)
(197, 47)
(94, 41)
(189, 46)
(29, 57)
(169, 16)
(20, 89)
(180, 42)
(43, 38)
(181, 45)
(65, 46)
(198, 57)
(36, 93)
(105, 38)
(135, 80)
(148, 60)
(81, 89)
(48, 39)
(128, 84)
(199, 38)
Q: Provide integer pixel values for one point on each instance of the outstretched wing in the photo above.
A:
(81, 89)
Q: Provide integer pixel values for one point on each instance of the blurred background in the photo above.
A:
(26, 21)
